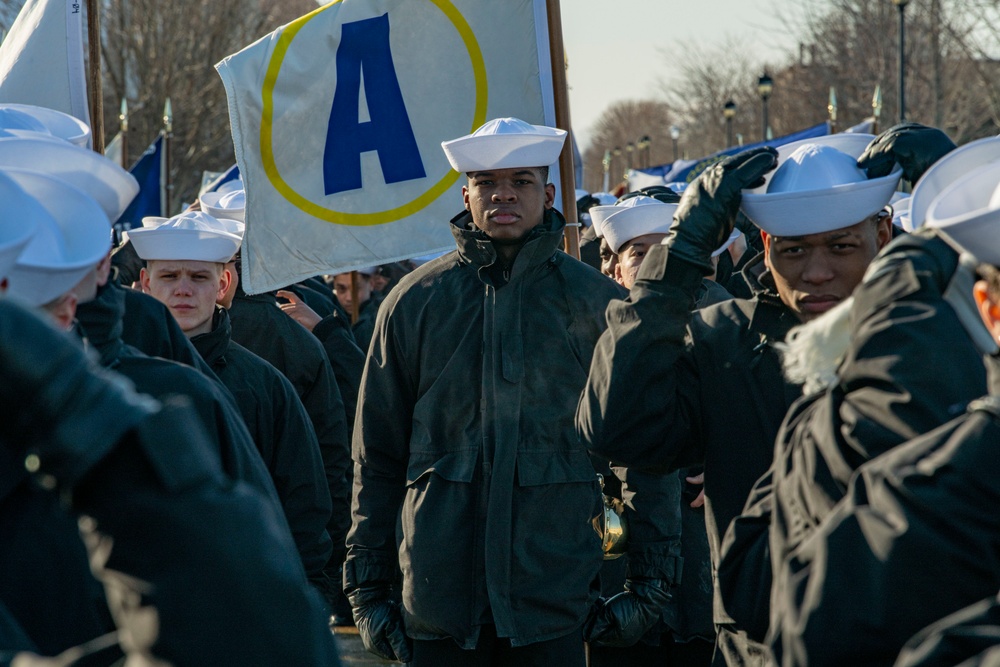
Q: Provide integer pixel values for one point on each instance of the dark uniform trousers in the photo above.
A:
(493, 651)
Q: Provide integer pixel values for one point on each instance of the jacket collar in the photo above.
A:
(541, 243)
(771, 318)
(101, 324)
(212, 346)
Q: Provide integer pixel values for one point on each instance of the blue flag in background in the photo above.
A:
(149, 171)
(228, 175)
(687, 170)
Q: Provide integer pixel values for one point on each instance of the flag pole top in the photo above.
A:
(168, 117)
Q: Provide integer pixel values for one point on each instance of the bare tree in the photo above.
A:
(624, 123)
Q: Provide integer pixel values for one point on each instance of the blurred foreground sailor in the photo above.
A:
(196, 568)
(917, 534)
(477, 488)
(868, 386)
(822, 222)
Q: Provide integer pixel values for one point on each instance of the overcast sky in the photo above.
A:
(615, 47)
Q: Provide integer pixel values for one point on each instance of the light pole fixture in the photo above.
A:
(728, 111)
(765, 85)
(606, 163)
(675, 134)
(876, 107)
(901, 6)
(831, 108)
(644, 144)
(629, 148)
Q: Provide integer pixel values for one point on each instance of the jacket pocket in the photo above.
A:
(453, 466)
(554, 467)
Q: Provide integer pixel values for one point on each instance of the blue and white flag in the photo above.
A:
(150, 171)
(41, 58)
(685, 171)
(338, 120)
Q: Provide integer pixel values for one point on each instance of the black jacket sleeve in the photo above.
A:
(639, 405)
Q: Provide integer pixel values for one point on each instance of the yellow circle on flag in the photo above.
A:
(378, 217)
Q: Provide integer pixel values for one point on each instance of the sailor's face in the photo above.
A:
(508, 203)
(189, 289)
(609, 260)
(815, 272)
(630, 258)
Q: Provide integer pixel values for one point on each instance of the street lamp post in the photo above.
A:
(644, 143)
(617, 163)
(675, 134)
(765, 85)
(901, 6)
(728, 111)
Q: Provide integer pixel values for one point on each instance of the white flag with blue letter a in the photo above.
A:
(338, 120)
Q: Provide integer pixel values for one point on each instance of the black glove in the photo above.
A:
(915, 147)
(623, 619)
(380, 622)
(708, 207)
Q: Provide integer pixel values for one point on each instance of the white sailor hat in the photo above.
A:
(231, 205)
(947, 170)
(69, 242)
(192, 235)
(20, 217)
(632, 218)
(101, 178)
(735, 234)
(818, 187)
(27, 120)
(505, 143)
(968, 212)
(900, 203)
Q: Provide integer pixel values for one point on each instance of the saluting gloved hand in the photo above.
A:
(623, 619)
(380, 622)
(915, 147)
(708, 207)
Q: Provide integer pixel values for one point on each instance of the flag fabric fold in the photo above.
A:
(338, 120)
(41, 58)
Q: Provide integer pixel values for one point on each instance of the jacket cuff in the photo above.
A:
(660, 271)
(368, 570)
(651, 564)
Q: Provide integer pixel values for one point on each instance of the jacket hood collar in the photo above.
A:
(101, 322)
(772, 319)
(212, 346)
(475, 247)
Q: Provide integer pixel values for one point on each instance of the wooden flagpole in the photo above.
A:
(94, 76)
(567, 174)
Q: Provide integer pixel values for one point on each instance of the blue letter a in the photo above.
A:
(365, 44)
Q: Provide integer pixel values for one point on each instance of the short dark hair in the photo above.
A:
(991, 275)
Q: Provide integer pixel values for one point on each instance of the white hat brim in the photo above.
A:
(210, 204)
(60, 125)
(627, 223)
(196, 245)
(106, 182)
(947, 170)
(805, 212)
(473, 153)
(964, 213)
(725, 246)
(69, 243)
